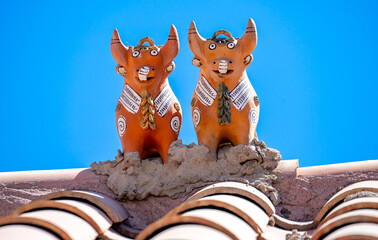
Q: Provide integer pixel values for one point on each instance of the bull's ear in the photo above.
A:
(119, 51)
(196, 42)
(248, 41)
(171, 47)
(121, 70)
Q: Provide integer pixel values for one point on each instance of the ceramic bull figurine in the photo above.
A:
(148, 114)
(225, 107)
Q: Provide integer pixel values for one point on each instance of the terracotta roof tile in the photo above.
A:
(232, 204)
(339, 196)
(19, 231)
(95, 217)
(366, 231)
(230, 210)
(291, 225)
(43, 175)
(332, 169)
(251, 212)
(222, 204)
(356, 216)
(192, 231)
(70, 215)
(35, 222)
(287, 167)
(237, 189)
(110, 234)
(237, 225)
(358, 203)
(74, 226)
(112, 208)
(125, 230)
(177, 227)
(213, 204)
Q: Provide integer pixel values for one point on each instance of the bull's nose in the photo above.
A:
(222, 68)
(143, 73)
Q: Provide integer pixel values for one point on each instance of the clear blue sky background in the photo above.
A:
(315, 72)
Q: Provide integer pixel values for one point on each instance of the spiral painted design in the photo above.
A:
(196, 117)
(175, 124)
(253, 117)
(121, 124)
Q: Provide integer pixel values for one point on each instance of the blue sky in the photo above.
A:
(315, 72)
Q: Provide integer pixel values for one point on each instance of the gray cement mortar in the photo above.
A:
(301, 197)
(189, 167)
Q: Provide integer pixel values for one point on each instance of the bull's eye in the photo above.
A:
(136, 53)
(230, 45)
(154, 52)
(212, 46)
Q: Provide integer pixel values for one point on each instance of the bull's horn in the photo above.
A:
(171, 47)
(196, 42)
(249, 40)
(119, 51)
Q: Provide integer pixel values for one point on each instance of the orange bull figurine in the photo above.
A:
(148, 114)
(225, 107)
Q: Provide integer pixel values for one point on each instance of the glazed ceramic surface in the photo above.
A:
(148, 114)
(225, 107)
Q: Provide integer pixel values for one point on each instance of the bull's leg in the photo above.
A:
(133, 146)
(163, 150)
(239, 138)
(212, 143)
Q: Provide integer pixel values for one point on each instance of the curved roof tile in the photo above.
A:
(112, 208)
(229, 210)
(237, 188)
(94, 216)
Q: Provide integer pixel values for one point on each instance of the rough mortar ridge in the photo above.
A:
(302, 197)
(360, 194)
(295, 235)
(189, 167)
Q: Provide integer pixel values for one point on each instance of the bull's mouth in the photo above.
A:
(228, 72)
(143, 81)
